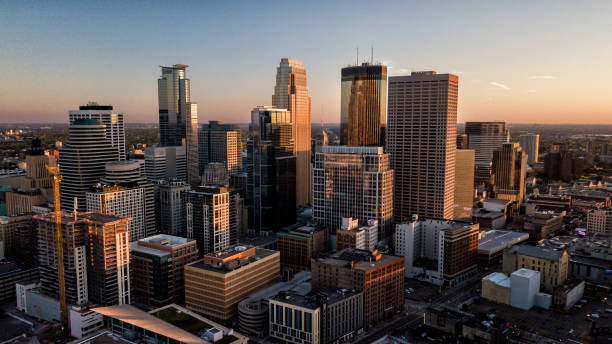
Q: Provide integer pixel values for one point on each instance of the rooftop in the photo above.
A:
(496, 240)
(224, 262)
(134, 316)
(94, 217)
(351, 150)
(498, 278)
(361, 259)
(539, 252)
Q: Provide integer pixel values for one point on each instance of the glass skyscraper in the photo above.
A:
(363, 106)
(174, 94)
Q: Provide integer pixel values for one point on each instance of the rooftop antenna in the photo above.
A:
(357, 60)
(372, 55)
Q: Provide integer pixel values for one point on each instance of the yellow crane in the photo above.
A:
(59, 240)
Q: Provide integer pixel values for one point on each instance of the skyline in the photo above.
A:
(519, 62)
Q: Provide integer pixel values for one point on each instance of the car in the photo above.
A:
(595, 316)
(608, 310)
(571, 331)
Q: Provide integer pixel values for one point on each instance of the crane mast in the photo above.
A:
(59, 240)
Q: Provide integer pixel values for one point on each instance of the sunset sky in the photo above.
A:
(519, 61)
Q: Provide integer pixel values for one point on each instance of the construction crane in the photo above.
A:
(59, 241)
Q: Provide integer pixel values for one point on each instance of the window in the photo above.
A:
(308, 322)
(298, 319)
(279, 314)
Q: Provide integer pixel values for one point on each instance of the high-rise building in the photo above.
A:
(464, 184)
(191, 144)
(37, 175)
(82, 160)
(363, 105)
(453, 246)
(212, 217)
(130, 173)
(158, 268)
(220, 143)
(111, 119)
(291, 93)
(174, 95)
(271, 190)
(462, 141)
(353, 182)
(421, 142)
(485, 138)
(96, 257)
(169, 206)
(509, 164)
(165, 162)
(215, 174)
(531, 145)
(216, 284)
(122, 199)
(380, 277)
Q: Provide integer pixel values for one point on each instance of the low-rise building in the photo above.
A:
(21, 288)
(491, 245)
(216, 284)
(568, 294)
(158, 262)
(542, 223)
(496, 287)
(599, 221)
(84, 321)
(352, 234)
(12, 272)
(297, 245)
(553, 265)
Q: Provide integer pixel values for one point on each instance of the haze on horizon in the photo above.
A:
(522, 62)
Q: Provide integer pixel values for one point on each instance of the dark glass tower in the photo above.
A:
(363, 106)
(174, 94)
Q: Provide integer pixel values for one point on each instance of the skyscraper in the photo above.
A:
(82, 160)
(130, 173)
(363, 105)
(271, 189)
(484, 138)
(222, 143)
(291, 93)
(169, 206)
(191, 144)
(166, 162)
(421, 142)
(174, 94)
(531, 145)
(111, 119)
(464, 184)
(353, 182)
(509, 165)
(97, 256)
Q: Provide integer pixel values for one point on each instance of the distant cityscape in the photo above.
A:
(395, 224)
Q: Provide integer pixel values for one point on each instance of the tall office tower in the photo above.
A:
(165, 162)
(363, 105)
(191, 144)
(464, 184)
(484, 138)
(220, 143)
(212, 217)
(462, 141)
(130, 173)
(111, 119)
(158, 268)
(96, 257)
(174, 95)
(37, 175)
(271, 166)
(353, 182)
(82, 160)
(169, 206)
(124, 199)
(531, 145)
(291, 93)
(422, 141)
(509, 165)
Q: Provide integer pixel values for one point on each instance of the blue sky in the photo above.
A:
(521, 61)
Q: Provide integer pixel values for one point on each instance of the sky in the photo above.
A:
(519, 61)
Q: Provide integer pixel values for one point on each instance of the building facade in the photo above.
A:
(464, 184)
(421, 142)
(291, 93)
(380, 278)
(82, 161)
(111, 119)
(553, 265)
(599, 221)
(509, 166)
(169, 206)
(221, 143)
(297, 246)
(485, 138)
(531, 146)
(216, 284)
(158, 262)
(363, 105)
(353, 182)
(165, 162)
(361, 236)
(174, 93)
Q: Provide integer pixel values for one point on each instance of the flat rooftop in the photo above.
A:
(360, 258)
(494, 241)
(259, 254)
(300, 284)
(69, 219)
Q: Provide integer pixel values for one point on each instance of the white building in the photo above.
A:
(525, 284)
(294, 320)
(120, 200)
(599, 221)
(530, 144)
(111, 119)
(166, 162)
(438, 251)
(21, 289)
(84, 321)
